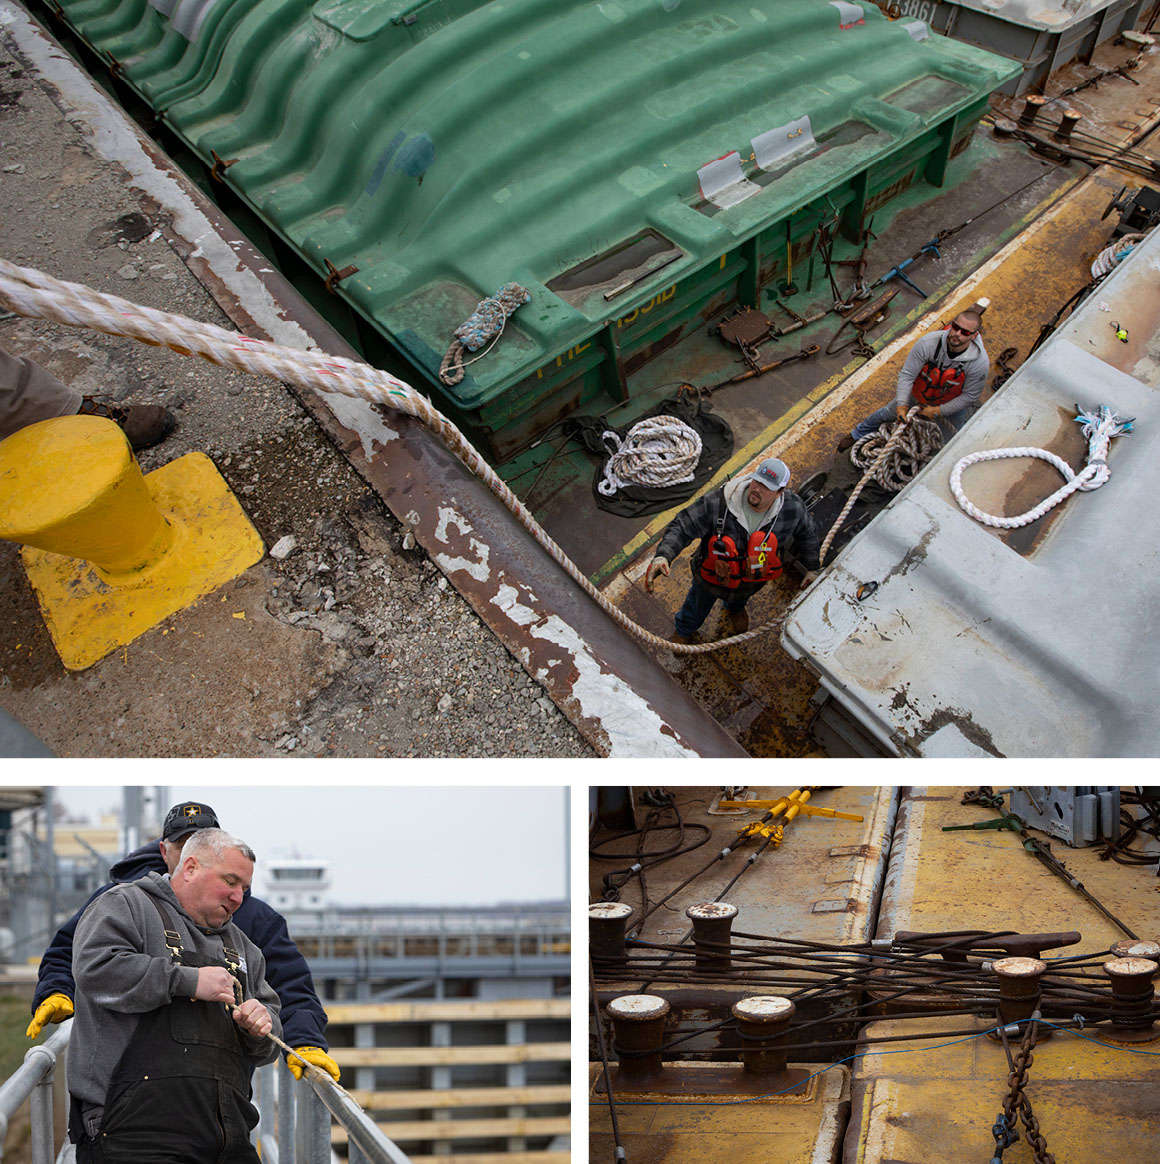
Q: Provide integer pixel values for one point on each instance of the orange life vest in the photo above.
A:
(724, 566)
(935, 385)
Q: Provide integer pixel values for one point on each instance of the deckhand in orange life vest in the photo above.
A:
(724, 566)
(934, 385)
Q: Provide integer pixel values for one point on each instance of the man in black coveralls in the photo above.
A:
(172, 1014)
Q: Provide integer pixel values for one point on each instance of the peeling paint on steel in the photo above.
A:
(901, 869)
(361, 417)
(712, 909)
(870, 868)
(634, 729)
(477, 567)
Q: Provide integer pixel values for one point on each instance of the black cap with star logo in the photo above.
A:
(184, 818)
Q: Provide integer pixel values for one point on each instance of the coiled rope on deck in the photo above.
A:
(658, 451)
(39, 296)
(1099, 428)
(892, 457)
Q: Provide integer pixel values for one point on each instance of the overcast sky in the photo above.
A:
(429, 845)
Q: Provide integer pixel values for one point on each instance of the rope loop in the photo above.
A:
(1099, 427)
(485, 323)
(657, 452)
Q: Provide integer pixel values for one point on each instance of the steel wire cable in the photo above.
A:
(736, 1102)
(619, 1154)
(934, 978)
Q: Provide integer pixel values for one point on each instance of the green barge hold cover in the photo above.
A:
(638, 166)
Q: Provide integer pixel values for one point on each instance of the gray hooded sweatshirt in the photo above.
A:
(123, 969)
(932, 348)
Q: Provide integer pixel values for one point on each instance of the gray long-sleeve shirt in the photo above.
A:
(124, 969)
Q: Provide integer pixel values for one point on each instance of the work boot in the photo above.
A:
(680, 639)
(736, 623)
(144, 424)
(847, 442)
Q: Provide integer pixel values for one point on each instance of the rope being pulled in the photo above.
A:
(32, 293)
(892, 457)
(658, 452)
(909, 449)
(1099, 428)
(485, 323)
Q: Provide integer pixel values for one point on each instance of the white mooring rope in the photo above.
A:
(1099, 428)
(657, 452)
(909, 451)
(39, 296)
(892, 457)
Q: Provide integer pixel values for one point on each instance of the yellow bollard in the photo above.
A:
(72, 486)
(109, 552)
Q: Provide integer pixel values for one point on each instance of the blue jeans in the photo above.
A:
(698, 602)
(888, 414)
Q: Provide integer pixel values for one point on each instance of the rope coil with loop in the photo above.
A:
(899, 452)
(1099, 428)
(34, 294)
(485, 323)
(909, 449)
(658, 452)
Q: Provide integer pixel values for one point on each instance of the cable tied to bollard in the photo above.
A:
(34, 294)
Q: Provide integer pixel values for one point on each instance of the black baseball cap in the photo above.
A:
(185, 818)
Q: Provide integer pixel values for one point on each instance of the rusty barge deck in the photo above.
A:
(931, 944)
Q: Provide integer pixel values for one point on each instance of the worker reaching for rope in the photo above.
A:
(943, 376)
(744, 527)
(173, 1013)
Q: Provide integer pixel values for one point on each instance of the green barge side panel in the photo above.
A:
(640, 166)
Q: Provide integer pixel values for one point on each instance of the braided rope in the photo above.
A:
(1110, 257)
(658, 452)
(485, 323)
(1098, 427)
(908, 451)
(233, 1007)
(39, 296)
(900, 450)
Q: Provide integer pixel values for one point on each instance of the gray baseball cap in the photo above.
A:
(771, 473)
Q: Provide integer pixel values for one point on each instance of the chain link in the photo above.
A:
(1005, 1131)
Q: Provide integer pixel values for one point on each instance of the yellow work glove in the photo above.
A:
(317, 1057)
(54, 1009)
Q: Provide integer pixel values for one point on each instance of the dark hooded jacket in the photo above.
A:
(792, 524)
(303, 1019)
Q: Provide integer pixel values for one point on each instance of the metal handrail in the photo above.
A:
(294, 1120)
(34, 1078)
(294, 1117)
(366, 1142)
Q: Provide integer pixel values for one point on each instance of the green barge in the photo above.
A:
(641, 167)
